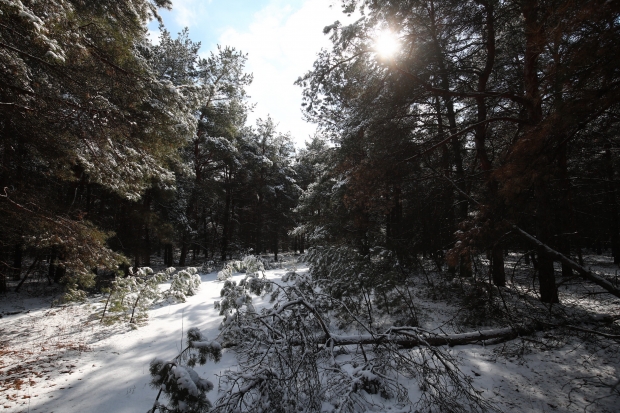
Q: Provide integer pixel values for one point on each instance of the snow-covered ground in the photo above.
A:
(62, 360)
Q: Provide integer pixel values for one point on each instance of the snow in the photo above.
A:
(60, 359)
(74, 364)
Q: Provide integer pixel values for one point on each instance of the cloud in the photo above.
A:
(282, 45)
(153, 36)
(189, 12)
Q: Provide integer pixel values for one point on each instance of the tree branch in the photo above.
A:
(588, 275)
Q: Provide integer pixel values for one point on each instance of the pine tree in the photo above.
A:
(81, 109)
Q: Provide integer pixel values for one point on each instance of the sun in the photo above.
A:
(386, 44)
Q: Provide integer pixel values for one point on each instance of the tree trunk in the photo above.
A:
(51, 272)
(146, 252)
(457, 159)
(548, 289)
(205, 246)
(259, 225)
(183, 256)
(60, 272)
(544, 220)
(612, 205)
(226, 225)
(588, 275)
(447, 170)
(168, 257)
(498, 272)
(17, 261)
(465, 269)
(534, 36)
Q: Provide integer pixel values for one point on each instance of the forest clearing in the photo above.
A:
(64, 359)
(309, 206)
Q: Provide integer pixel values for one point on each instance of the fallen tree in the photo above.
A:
(291, 359)
(295, 356)
(588, 275)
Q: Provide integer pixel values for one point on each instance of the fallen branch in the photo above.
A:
(413, 337)
(588, 275)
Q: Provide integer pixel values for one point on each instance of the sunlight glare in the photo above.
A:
(387, 44)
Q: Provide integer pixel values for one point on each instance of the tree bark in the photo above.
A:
(226, 224)
(565, 207)
(146, 252)
(168, 255)
(548, 289)
(534, 36)
(51, 273)
(498, 272)
(612, 205)
(17, 261)
(183, 256)
(258, 247)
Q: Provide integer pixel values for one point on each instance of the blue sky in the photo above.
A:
(280, 37)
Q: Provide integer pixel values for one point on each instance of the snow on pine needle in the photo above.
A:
(129, 298)
(178, 381)
(292, 356)
(250, 264)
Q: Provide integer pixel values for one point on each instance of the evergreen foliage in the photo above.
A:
(177, 380)
(129, 298)
(113, 148)
(289, 359)
(182, 385)
(79, 106)
(478, 123)
(250, 265)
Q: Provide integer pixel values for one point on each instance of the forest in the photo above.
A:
(461, 189)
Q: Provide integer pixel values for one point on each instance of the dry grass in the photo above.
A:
(37, 348)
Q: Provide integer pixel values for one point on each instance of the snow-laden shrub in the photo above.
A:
(253, 265)
(74, 296)
(184, 284)
(250, 264)
(225, 273)
(292, 357)
(177, 380)
(130, 298)
(181, 385)
(236, 298)
(375, 284)
(207, 267)
(201, 349)
(141, 272)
